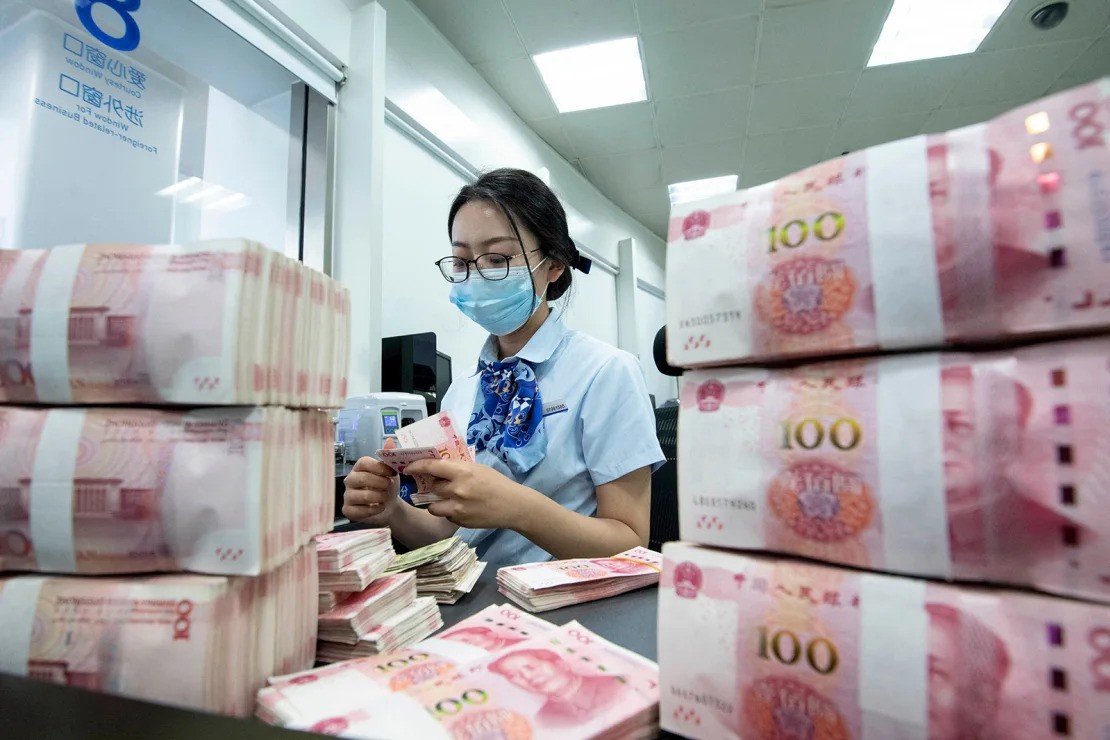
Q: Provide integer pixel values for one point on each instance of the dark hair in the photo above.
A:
(524, 198)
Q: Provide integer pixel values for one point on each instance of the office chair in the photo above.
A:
(664, 482)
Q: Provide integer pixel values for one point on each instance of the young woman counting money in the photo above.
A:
(561, 422)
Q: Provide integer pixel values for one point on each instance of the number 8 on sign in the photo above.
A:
(129, 41)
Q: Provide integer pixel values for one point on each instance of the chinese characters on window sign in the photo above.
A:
(90, 95)
(111, 66)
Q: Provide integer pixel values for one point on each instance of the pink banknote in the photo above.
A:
(989, 231)
(985, 467)
(761, 649)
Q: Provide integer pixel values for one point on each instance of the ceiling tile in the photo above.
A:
(1085, 19)
(631, 170)
(1092, 63)
(1016, 74)
(701, 58)
(661, 15)
(620, 128)
(946, 119)
(699, 119)
(811, 101)
(859, 133)
(640, 200)
(834, 36)
(682, 163)
(758, 177)
(519, 83)
(480, 29)
(551, 131)
(791, 150)
(905, 88)
(546, 26)
(656, 222)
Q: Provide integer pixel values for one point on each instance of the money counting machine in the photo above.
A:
(364, 425)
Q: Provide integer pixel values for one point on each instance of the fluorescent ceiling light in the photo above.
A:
(926, 29)
(594, 75)
(684, 192)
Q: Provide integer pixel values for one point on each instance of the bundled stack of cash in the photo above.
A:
(539, 587)
(981, 466)
(194, 641)
(206, 324)
(92, 487)
(500, 671)
(447, 569)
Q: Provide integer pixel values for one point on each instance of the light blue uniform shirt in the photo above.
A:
(599, 421)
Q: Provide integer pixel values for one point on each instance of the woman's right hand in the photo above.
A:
(372, 492)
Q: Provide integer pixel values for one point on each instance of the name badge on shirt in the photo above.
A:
(555, 407)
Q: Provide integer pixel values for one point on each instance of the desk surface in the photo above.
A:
(30, 709)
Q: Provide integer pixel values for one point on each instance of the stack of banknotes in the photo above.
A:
(364, 611)
(983, 469)
(539, 587)
(992, 231)
(193, 641)
(204, 324)
(414, 621)
(499, 673)
(148, 424)
(446, 570)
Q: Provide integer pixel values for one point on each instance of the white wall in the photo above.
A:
(418, 194)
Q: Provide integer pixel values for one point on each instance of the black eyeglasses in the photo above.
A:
(491, 266)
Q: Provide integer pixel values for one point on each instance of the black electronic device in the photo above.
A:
(411, 364)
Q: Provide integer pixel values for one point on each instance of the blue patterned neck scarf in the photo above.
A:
(509, 419)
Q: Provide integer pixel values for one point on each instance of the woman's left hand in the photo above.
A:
(474, 496)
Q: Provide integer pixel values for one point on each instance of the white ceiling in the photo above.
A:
(757, 87)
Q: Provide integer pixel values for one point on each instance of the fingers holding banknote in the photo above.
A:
(371, 491)
(474, 496)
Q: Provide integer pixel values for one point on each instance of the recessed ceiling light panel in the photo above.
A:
(926, 29)
(594, 75)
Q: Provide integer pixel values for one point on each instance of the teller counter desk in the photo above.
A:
(31, 710)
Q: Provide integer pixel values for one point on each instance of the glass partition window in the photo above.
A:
(143, 122)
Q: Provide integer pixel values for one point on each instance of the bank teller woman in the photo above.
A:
(562, 422)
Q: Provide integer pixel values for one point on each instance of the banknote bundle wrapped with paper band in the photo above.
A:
(200, 642)
(205, 324)
(231, 491)
(982, 467)
(991, 231)
(553, 584)
(500, 673)
(768, 648)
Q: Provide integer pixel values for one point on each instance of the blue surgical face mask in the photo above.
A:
(498, 306)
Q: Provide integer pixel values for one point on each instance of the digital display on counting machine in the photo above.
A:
(389, 422)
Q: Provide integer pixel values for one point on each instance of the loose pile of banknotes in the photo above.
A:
(982, 467)
(498, 673)
(232, 493)
(363, 609)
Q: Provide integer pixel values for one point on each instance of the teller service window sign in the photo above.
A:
(148, 121)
